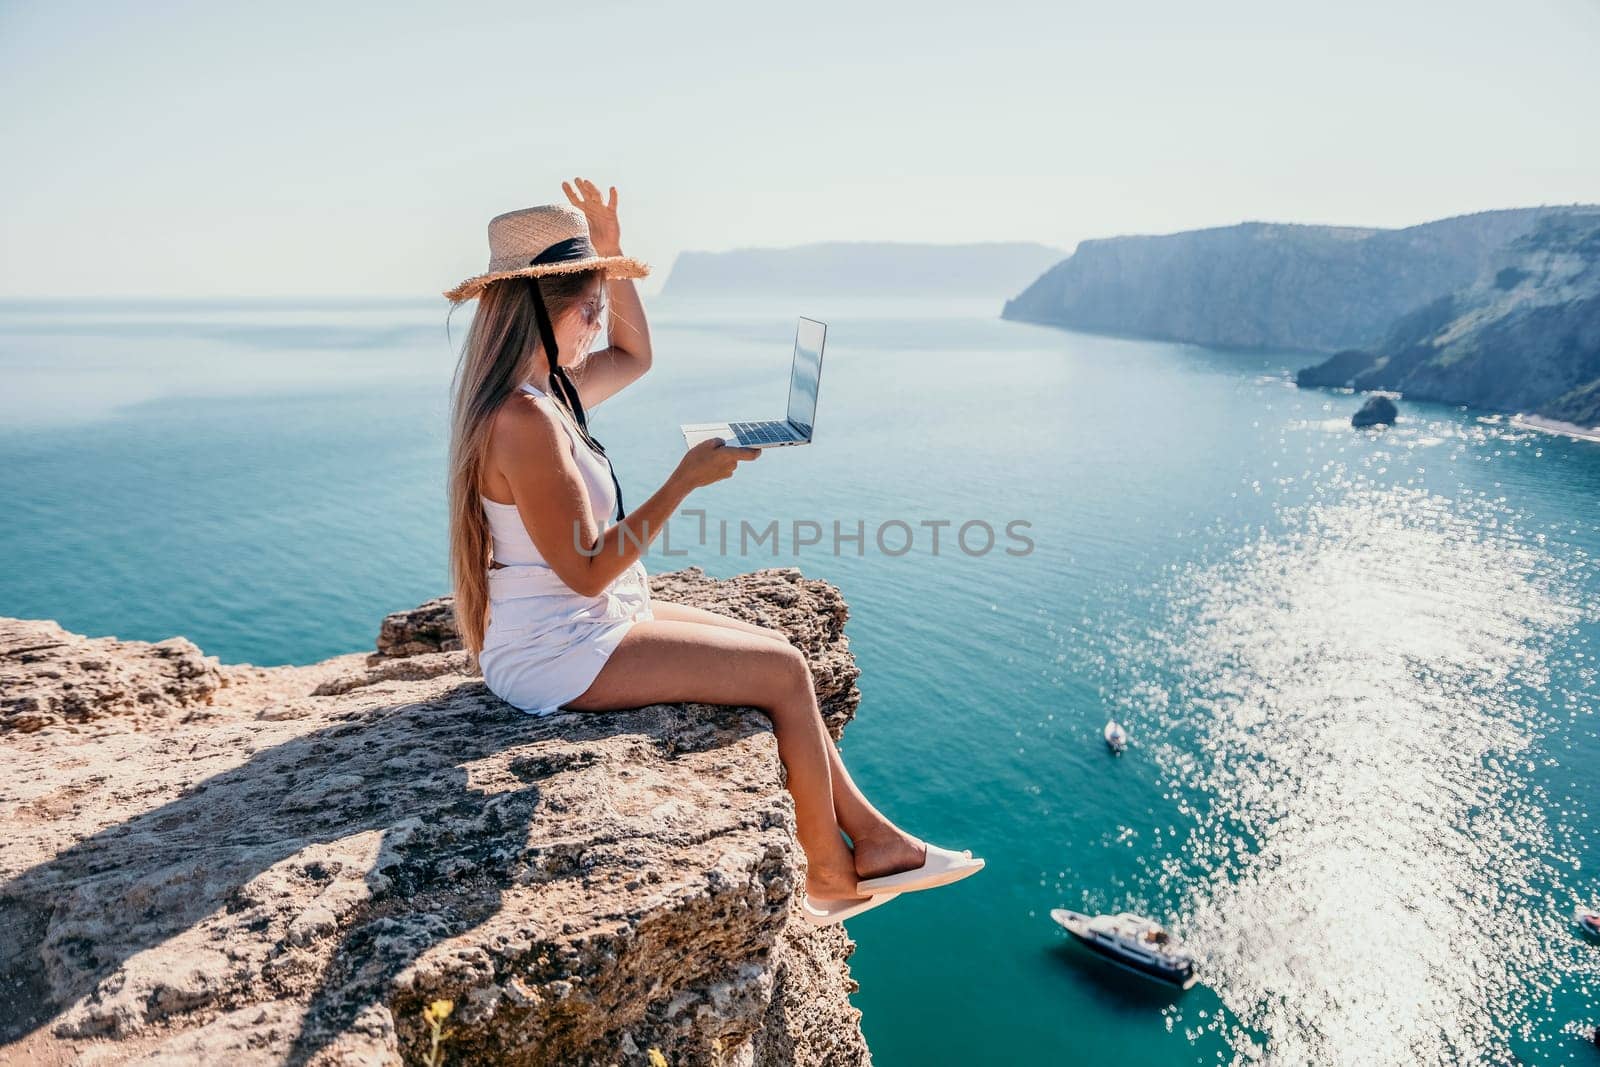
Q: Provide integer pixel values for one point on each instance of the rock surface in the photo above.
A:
(50, 677)
(224, 863)
(1377, 411)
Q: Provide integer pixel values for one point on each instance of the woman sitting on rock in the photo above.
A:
(551, 594)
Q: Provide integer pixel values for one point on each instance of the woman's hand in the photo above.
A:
(604, 232)
(711, 461)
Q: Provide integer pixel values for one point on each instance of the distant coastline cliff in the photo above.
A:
(1497, 310)
(220, 863)
(1525, 337)
(1267, 285)
(861, 268)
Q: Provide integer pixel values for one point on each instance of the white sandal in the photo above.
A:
(835, 911)
(940, 867)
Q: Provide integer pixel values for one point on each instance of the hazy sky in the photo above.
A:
(285, 148)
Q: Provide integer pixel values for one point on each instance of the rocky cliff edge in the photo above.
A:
(224, 863)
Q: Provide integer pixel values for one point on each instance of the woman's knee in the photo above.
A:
(791, 674)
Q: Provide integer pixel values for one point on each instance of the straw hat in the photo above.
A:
(549, 239)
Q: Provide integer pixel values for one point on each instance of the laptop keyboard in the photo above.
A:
(762, 433)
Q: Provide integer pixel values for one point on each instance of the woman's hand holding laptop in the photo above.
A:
(711, 461)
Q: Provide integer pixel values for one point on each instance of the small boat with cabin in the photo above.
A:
(1131, 941)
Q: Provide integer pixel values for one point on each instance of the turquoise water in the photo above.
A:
(1359, 670)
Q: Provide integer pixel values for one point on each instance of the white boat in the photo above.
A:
(1132, 941)
(1589, 919)
(1116, 737)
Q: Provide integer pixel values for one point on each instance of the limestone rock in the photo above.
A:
(294, 876)
(428, 627)
(50, 677)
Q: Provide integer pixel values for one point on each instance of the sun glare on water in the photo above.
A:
(1354, 722)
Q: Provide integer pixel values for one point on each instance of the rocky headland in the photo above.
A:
(1525, 338)
(1498, 310)
(1267, 284)
(210, 862)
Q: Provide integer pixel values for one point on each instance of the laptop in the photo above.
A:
(795, 428)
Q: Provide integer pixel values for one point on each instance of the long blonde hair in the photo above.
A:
(501, 351)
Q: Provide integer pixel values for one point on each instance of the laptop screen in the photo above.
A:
(807, 372)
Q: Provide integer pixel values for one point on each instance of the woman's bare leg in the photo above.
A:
(662, 661)
(880, 847)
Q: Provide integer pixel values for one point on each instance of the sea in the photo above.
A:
(1358, 669)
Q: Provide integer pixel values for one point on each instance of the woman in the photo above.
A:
(551, 594)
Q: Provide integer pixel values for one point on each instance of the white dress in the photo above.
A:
(545, 643)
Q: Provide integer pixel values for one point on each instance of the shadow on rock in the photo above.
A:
(323, 867)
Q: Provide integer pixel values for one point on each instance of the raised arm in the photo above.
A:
(530, 447)
(627, 355)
